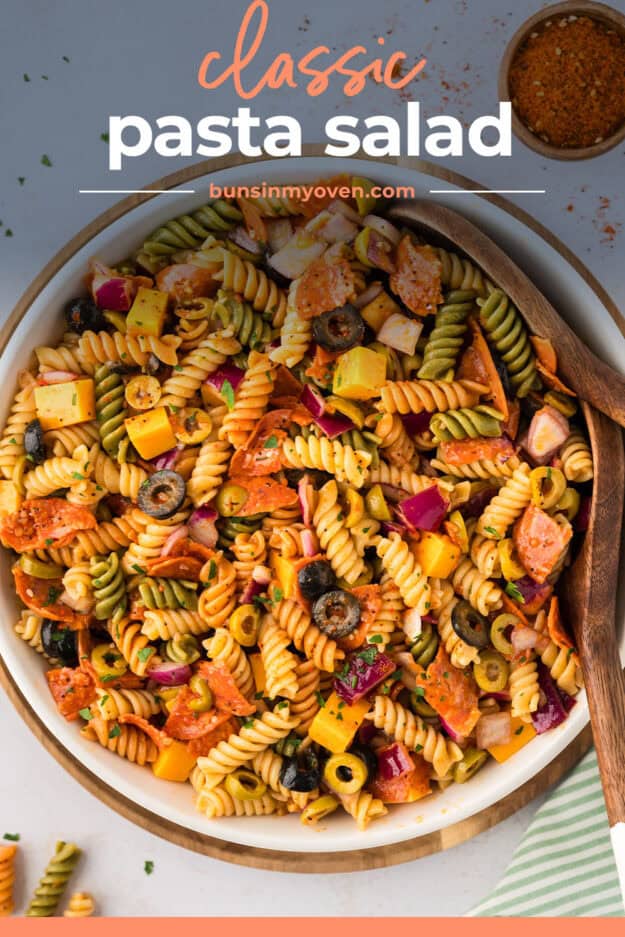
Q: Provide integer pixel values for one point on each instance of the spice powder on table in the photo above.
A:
(567, 82)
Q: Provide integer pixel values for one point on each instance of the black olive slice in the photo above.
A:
(316, 579)
(301, 773)
(34, 446)
(339, 329)
(59, 643)
(83, 315)
(162, 494)
(469, 625)
(337, 613)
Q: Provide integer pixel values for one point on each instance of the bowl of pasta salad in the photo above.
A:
(286, 494)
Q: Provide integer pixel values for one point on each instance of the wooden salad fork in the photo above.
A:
(593, 380)
(589, 585)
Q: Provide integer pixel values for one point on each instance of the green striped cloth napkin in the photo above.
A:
(564, 865)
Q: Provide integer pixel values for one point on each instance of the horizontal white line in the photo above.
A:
(487, 191)
(137, 191)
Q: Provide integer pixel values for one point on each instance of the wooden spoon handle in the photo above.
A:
(592, 378)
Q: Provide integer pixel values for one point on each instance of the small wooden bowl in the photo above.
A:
(598, 11)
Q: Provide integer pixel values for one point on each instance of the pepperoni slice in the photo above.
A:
(556, 629)
(228, 697)
(185, 723)
(417, 277)
(254, 221)
(186, 281)
(261, 454)
(324, 286)
(176, 567)
(540, 542)
(477, 364)
(72, 690)
(285, 384)
(264, 494)
(451, 692)
(463, 451)
(408, 787)
(41, 595)
(221, 733)
(44, 522)
(160, 738)
(370, 599)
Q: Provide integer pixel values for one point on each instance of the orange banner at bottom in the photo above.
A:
(330, 927)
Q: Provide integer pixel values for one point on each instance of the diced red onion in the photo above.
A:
(201, 526)
(523, 638)
(383, 227)
(401, 333)
(251, 590)
(531, 590)
(179, 533)
(380, 252)
(393, 527)
(166, 460)
(551, 711)
(261, 575)
(415, 423)
(548, 431)
(313, 400)
(493, 729)
(227, 372)
(425, 510)
(306, 498)
(394, 761)
(58, 377)
(296, 255)
(279, 231)
(477, 502)
(366, 733)
(339, 207)
(362, 677)
(412, 624)
(110, 290)
(80, 603)
(309, 547)
(409, 669)
(333, 228)
(334, 425)
(374, 289)
(169, 673)
(453, 735)
(242, 238)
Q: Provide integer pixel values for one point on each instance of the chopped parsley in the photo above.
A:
(148, 866)
(45, 160)
(12, 837)
(278, 594)
(419, 691)
(227, 392)
(65, 58)
(138, 569)
(26, 76)
(53, 594)
(145, 653)
(320, 699)
(418, 748)
(8, 233)
(271, 443)
(369, 654)
(78, 476)
(86, 713)
(491, 531)
(49, 541)
(514, 593)
(21, 179)
(376, 639)
(248, 723)
(104, 137)
(115, 732)
(519, 730)
(212, 569)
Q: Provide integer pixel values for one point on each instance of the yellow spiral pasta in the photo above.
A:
(78, 586)
(253, 284)
(328, 455)
(164, 623)
(162, 348)
(7, 879)
(64, 441)
(305, 703)
(133, 645)
(287, 541)
(110, 703)
(124, 479)
(334, 538)
(28, 628)
(282, 517)
(267, 765)
(279, 663)
(12, 442)
(485, 469)
(483, 594)
(241, 748)
(389, 617)
(461, 654)
(127, 741)
(431, 396)
(95, 348)
(401, 564)
(81, 904)
(149, 542)
(485, 555)
(250, 551)
(62, 358)
(523, 687)
(385, 474)
(195, 367)
(398, 447)
(55, 473)
(576, 458)
(223, 647)
(218, 599)
(508, 504)
(363, 807)
(250, 402)
(402, 726)
(563, 666)
(211, 464)
(295, 334)
(219, 803)
(306, 637)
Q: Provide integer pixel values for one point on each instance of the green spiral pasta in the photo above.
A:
(189, 231)
(109, 588)
(249, 326)
(507, 332)
(446, 338)
(167, 593)
(466, 422)
(230, 527)
(111, 412)
(181, 649)
(51, 886)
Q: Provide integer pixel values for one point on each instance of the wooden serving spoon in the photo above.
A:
(593, 379)
(589, 602)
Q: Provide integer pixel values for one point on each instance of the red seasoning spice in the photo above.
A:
(567, 82)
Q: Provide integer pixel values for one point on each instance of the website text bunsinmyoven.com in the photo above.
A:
(303, 193)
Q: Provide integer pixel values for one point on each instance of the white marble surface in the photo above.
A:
(139, 57)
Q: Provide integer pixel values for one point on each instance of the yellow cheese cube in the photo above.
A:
(359, 374)
(258, 672)
(437, 554)
(65, 404)
(522, 733)
(336, 723)
(174, 763)
(150, 432)
(285, 573)
(10, 498)
(147, 313)
(379, 310)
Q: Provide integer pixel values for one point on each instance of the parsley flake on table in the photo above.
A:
(8, 233)
(65, 58)
(148, 866)
(45, 160)
(21, 179)
(104, 137)
(12, 837)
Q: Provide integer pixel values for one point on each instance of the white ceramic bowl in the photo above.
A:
(574, 299)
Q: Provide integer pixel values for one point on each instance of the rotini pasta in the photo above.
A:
(51, 886)
(576, 459)
(430, 396)
(507, 505)
(506, 330)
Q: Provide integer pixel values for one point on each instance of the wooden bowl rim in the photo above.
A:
(592, 9)
(276, 860)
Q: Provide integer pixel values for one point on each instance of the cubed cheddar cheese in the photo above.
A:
(359, 375)
(437, 555)
(286, 574)
(336, 723)
(258, 672)
(65, 404)
(147, 313)
(522, 733)
(174, 763)
(10, 498)
(379, 310)
(150, 432)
